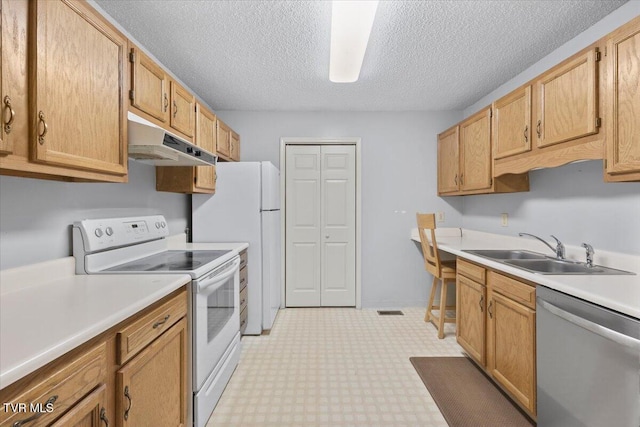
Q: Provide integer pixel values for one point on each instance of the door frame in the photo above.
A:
(284, 141)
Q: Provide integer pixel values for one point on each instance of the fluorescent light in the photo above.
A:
(351, 23)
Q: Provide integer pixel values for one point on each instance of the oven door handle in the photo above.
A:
(595, 328)
(220, 278)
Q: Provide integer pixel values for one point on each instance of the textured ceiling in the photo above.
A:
(422, 55)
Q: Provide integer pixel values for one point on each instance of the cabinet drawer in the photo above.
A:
(243, 258)
(141, 332)
(511, 288)
(243, 277)
(243, 298)
(243, 320)
(471, 271)
(63, 384)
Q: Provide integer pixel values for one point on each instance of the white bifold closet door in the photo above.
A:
(320, 226)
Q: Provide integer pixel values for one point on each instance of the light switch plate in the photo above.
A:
(504, 220)
(440, 217)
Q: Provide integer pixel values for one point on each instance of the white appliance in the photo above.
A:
(138, 245)
(246, 208)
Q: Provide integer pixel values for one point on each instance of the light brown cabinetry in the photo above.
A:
(235, 147)
(183, 105)
(149, 91)
(622, 157)
(448, 161)
(495, 325)
(224, 140)
(511, 132)
(193, 179)
(89, 412)
(244, 313)
(70, 124)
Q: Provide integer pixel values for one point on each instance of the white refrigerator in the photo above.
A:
(246, 208)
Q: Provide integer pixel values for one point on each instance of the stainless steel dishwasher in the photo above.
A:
(588, 363)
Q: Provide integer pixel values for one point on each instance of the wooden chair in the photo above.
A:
(444, 272)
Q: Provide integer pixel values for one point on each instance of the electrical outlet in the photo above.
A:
(504, 221)
(440, 217)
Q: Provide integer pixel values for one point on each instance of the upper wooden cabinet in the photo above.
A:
(235, 147)
(70, 125)
(475, 152)
(183, 105)
(149, 86)
(448, 161)
(511, 127)
(622, 161)
(223, 140)
(567, 100)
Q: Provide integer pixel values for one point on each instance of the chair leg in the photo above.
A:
(432, 296)
(443, 305)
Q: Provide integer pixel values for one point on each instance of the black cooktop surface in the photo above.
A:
(171, 261)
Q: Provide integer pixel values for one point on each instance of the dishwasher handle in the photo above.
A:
(590, 326)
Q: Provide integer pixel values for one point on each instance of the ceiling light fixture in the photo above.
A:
(351, 23)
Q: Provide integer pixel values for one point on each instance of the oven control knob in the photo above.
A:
(157, 225)
(98, 232)
(109, 231)
(163, 224)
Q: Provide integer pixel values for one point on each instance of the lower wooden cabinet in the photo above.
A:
(496, 326)
(89, 387)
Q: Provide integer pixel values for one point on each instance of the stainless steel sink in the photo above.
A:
(555, 266)
(503, 254)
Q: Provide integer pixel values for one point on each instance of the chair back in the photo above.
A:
(427, 222)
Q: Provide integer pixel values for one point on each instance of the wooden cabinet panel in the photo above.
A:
(511, 336)
(511, 127)
(623, 106)
(475, 151)
(149, 86)
(152, 388)
(470, 318)
(448, 161)
(206, 137)
(235, 147)
(513, 289)
(472, 271)
(224, 139)
(567, 100)
(78, 105)
(183, 105)
(89, 412)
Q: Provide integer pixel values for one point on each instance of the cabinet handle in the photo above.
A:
(175, 109)
(456, 179)
(461, 179)
(12, 114)
(538, 127)
(128, 396)
(489, 309)
(242, 323)
(45, 128)
(243, 301)
(481, 301)
(166, 102)
(20, 423)
(526, 133)
(161, 322)
(103, 417)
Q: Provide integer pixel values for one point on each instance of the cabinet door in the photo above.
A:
(89, 412)
(183, 105)
(567, 99)
(235, 147)
(224, 139)
(623, 106)
(206, 136)
(152, 387)
(448, 161)
(79, 116)
(470, 317)
(475, 156)
(511, 127)
(149, 86)
(511, 338)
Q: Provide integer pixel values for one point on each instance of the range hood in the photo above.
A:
(151, 144)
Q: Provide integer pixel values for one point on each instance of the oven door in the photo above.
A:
(216, 318)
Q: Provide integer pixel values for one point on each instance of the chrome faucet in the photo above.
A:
(559, 249)
(590, 253)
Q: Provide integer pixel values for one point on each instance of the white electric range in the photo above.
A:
(138, 245)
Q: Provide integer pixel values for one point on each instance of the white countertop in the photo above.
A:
(46, 310)
(619, 293)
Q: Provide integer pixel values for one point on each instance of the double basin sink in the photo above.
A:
(541, 264)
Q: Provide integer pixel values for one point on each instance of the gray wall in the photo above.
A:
(398, 174)
(36, 215)
(572, 201)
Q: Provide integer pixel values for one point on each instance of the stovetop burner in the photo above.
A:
(170, 261)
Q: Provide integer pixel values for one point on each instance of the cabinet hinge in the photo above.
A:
(598, 122)
(598, 55)
(132, 56)
(132, 95)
